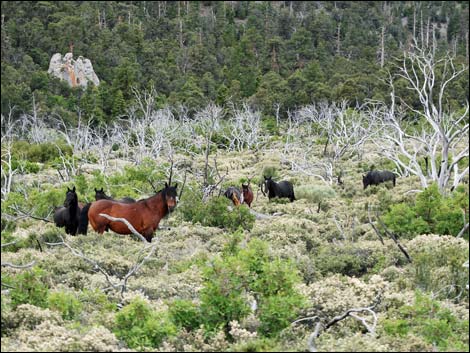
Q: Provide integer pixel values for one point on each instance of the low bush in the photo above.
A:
(40, 152)
(431, 213)
(234, 282)
(438, 265)
(215, 212)
(65, 303)
(28, 287)
(139, 326)
(427, 319)
(185, 314)
(350, 260)
(317, 194)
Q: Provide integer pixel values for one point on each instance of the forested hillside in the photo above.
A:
(245, 176)
(286, 53)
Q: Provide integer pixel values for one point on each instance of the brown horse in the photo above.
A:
(144, 215)
(247, 194)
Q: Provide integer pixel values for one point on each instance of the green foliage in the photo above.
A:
(427, 319)
(215, 212)
(8, 226)
(269, 171)
(25, 166)
(41, 201)
(39, 152)
(139, 326)
(437, 265)
(402, 220)
(29, 287)
(65, 303)
(185, 314)
(350, 260)
(228, 280)
(431, 213)
(315, 193)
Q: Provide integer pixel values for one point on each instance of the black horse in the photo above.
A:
(281, 189)
(234, 194)
(100, 195)
(375, 177)
(68, 216)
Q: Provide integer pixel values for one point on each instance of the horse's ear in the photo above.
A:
(68, 189)
(176, 185)
(265, 178)
(96, 190)
(166, 184)
(73, 188)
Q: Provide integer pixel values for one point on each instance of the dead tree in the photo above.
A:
(443, 135)
(209, 121)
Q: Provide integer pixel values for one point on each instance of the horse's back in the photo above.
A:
(132, 212)
(286, 187)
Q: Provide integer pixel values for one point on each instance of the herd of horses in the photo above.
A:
(106, 213)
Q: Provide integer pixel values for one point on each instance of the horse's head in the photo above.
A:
(268, 182)
(170, 196)
(71, 198)
(100, 195)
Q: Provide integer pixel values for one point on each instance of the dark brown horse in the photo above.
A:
(144, 215)
(247, 194)
(100, 195)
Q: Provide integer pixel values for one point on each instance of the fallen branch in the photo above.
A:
(464, 229)
(123, 284)
(351, 312)
(391, 235)
(126, 222)
(374, 227)
(10, 243)
(8, 264)
(17, 209)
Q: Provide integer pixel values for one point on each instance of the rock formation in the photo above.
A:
(76, 72)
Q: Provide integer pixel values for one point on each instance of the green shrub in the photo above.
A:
(431, 213)
(350, 260)
(7, 228)
(25, 166)
(403, 221)
(185, 314)
(269, 124)
(222, 298)
(29, 287)
(230, 281)
(96, 300)
(215, 212)
(39, 152)
(437, 264)
(65, 303)
(278, 299)
(428, 320)
(317, 194)
(139, 326)
(269, 171)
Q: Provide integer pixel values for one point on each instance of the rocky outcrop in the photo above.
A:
(76, 72)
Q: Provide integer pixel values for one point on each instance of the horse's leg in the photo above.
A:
(99, 227)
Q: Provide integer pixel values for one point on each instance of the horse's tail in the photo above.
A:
(83, 220)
